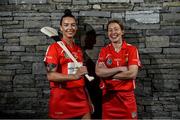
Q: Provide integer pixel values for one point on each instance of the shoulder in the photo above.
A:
(55, 44)
(105, 48)
(54, 47)
(131, 47)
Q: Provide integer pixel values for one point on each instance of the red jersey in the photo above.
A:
(56, 55)
(68, 99)
(128, 55)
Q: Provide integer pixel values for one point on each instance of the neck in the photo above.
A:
(117, 46)
(68, 40)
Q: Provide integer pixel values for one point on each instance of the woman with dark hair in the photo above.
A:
(117, 66)
(68, 98)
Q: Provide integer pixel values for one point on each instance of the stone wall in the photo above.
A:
(153, 26)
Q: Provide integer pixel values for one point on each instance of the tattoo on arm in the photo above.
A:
(51, 67)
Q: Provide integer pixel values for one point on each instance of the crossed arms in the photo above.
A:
(124, 73)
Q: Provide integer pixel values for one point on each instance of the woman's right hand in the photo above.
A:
(80, 72)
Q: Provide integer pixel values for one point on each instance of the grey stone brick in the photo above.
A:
(136, 1)
(154, 108)
(6, 86)
(143, 16)
(1, 48)
(165, 61)
(94, 21)
(174, 9)
(96, 7)
(27, 54)
(30, 14)
(142, 26)
(25, 95)
(15, 30)
(12, 41)
(150, 50)
(13, 35)
(14, 48)
(94, 13)
(76, 7)
(6, 78)
(118, 15)
(170, 17)
(7, 72)
(165, 85)
(9, 22)
(23, 79)
(5, 14)
(63, 1)
(171, 50)
(161, 115)
(176, 114)
(171, 4)
(36, 24)
(117, 7)
(41, 48)
(56, 16)
(38, 68)
(27, 1)
(3, 2)
(14, 66)
(157, 41)
(4, 53)
(32, 40)
(23, 71)
(84, 2)
(31, 58)
(44, 8)
(0, 32)
(169, 32)
(6, 18)
(170, 108)
(109, 1)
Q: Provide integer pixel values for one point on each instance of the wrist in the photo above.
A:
(73, 77)
(123, 68)
(76, 77)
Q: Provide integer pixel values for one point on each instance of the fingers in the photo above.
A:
(81, 71)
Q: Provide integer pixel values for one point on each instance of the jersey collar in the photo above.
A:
(65, 43)
(124, 45)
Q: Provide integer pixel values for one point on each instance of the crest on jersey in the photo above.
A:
(109, 61)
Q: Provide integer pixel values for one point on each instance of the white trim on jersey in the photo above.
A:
(46, 53)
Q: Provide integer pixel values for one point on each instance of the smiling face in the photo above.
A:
(68, 27)
(115, 32)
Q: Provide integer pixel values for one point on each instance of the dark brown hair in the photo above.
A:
(67, 13)
(116, 21)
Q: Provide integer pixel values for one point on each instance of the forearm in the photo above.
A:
(107, 72)
(126, 75)
(59, 77)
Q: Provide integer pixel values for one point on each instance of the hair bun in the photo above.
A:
(67, 12)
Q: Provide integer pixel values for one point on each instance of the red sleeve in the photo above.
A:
(101, 57)
(51, 55)
(134, 57)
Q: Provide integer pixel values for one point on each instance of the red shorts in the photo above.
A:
(68, 103)
(119, 105)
